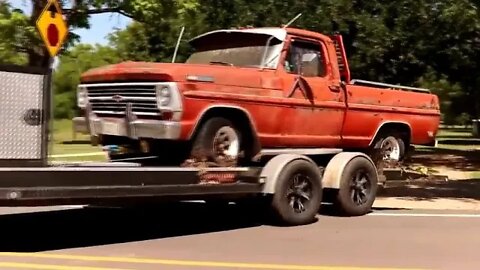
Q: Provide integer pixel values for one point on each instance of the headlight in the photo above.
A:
(164, 96)
(82, 97)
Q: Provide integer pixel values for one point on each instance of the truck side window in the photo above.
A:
(297, 50)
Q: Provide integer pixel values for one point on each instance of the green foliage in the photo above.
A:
(155, 40)
(23, 41)
(14, 30)
(132, 43)
(448, 93)
(463, 119)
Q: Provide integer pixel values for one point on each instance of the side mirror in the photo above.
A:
(310, 65)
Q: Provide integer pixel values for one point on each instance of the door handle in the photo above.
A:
(334, 88)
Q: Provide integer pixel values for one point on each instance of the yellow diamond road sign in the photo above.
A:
(52, 27)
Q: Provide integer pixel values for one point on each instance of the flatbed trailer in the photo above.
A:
(291, 182)
(291, 185)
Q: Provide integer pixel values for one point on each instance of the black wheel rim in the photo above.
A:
(360, 187)
(299, 193)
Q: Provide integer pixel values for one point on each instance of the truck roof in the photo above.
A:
(307, 33)
(278, 32)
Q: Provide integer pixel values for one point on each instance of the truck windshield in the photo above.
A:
(239, 49)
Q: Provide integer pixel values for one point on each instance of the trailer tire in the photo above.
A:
(298, 194)
(358, 188)
(203, 147)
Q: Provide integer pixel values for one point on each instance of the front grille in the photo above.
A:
(113, 99)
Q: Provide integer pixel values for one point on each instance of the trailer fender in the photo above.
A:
(335, 167)
(274, 167)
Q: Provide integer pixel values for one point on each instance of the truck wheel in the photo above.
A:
(218, 141)
(358, 188)
(391, 147)
(298, 194)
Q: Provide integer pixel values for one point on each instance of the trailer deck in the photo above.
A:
(104, 180)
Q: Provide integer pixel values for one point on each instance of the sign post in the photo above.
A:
(54, 30)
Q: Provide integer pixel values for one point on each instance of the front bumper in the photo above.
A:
(134, 129)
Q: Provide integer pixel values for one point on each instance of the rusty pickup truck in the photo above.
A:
(247, 91)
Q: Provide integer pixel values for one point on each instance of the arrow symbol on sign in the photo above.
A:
(53, 11)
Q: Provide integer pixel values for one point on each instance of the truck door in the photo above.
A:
(315, 112)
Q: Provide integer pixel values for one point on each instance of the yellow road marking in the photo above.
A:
(188, 263)
(50, 266)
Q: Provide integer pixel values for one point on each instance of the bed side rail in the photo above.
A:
(389, 86)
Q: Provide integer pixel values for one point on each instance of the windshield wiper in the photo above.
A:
(221, 63)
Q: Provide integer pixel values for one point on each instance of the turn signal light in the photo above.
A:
(167, 115)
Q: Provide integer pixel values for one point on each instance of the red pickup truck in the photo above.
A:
(247, 91)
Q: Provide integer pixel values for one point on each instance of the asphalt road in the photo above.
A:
(193, 236)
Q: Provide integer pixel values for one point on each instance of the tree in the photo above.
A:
(155, 40)
(77, 14)
(14, 29)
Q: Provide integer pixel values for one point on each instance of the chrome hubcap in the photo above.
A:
(390, 149)
(226, 142)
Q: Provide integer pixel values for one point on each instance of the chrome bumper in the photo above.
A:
(154, 129)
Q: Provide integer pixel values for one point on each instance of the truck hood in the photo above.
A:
(179, 72)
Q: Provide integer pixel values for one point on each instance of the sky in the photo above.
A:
(100, 24)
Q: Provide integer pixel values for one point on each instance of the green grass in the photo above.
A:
(64, 143)
(62, 131)
(458, 139)
(455, 139)
(455, 133)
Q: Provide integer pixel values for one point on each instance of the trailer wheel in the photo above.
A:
(219, 141)
(358, 188)
(298, 194)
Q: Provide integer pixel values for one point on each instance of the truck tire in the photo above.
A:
(298, 194)
(358, 188)
(218, 141)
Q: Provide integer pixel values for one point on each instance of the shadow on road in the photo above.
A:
(457, 150)
(460, 189)
(457, 156)
(460, 141)
(455, 159)
(42, 231)
(64, 229)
